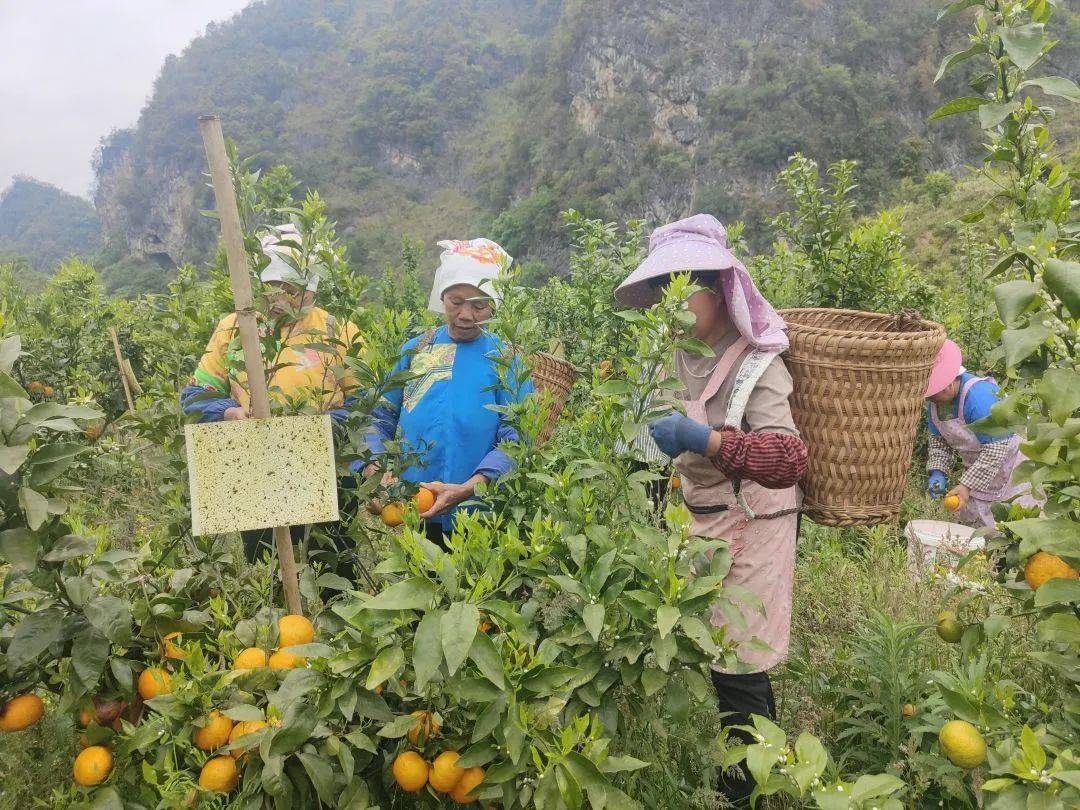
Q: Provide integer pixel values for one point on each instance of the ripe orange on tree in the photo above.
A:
(92, 765)
(154, 681)
(47, 391)
(219, 774)
(445, 773)
(21, 712)
(294, 629)
(251, 658)
(425, 729)
(214, 734)
(469, 781)
(392, 515)
(1042, 567)
(241, 729)
(410, 771)
(283, 659)
(35, 387)
(423, 500)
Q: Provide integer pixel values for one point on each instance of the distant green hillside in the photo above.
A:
(43, 225)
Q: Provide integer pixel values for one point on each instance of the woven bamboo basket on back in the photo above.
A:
(553, 379)
(859, 384)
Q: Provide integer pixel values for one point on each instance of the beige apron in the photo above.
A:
(762, 549)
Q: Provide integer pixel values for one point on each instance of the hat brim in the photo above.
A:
(946, 368)
(677, 257)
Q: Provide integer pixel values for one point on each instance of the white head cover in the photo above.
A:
(279, 268)
(468, 261)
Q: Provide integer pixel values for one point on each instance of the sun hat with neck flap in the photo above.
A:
(476, 262)
(699, 244)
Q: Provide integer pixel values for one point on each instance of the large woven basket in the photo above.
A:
(859, 384)
(553, 378)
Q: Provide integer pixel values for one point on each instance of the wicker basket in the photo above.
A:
(553, 378)
(859, 384)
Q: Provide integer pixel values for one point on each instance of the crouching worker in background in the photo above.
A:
(444, 414)
(307, 368)
(737, 451)
(956, 399)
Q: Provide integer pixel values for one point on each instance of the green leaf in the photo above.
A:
(69, 547)
(593, 616)
(614, 387)
(957, 6)
(1013, 298)
(296, 727)
(1054, 535)
(33, 635)
(810, 754)
(666, 618)
(242, 712)
(1020, 344)
(1055, 86)
(321, 775)
(874, 786)
(1060, 390)
(427, 648)
(1034, 752)
(954, 59)
(386, 663)
(697, 632)
(957, 105)
(1058, 592)
(19, 547)
(760, 760)
(112, 618)
(653, 680)
(10, 351)
(1063, 280)
(409, 594)
(35, 506)
(10, 388)
(1024, 43)
(486, 657)
(12, 457)
(477, 755)
(89, 652)
(990, 115)
(458, 631)
(619, 764)
(1062, 628)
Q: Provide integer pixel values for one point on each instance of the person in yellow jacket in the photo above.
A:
(305, 367)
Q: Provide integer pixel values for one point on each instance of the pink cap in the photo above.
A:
(946, 368)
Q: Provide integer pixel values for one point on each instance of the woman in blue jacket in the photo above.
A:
(446, 414)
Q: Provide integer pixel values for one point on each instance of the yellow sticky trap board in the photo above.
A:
(259, 473)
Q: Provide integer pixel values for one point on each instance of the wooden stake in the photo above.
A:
(239, 278)
(120, 366)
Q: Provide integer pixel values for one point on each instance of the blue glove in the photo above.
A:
(937, 483)
(674, 434)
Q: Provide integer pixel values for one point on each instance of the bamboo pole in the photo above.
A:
(120, 367)
(240, 280)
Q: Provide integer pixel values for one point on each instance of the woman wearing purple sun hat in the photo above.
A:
(737, 450)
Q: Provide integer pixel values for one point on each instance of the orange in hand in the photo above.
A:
(951, 502)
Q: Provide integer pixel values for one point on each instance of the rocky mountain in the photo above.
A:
(448, 118)
(43, 225)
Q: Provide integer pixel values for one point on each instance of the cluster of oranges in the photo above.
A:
(393, 514)
(38, 387)
(292, 631)
(412, 772)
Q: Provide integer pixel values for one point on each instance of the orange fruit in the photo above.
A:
(241, 729)
(676, 482)
(251, 658)
(35, 387)
(424, 500)
(606, 368)
(392, 515)
(469, 781)
(170, 649)
(1042, 567)
(94, 432)
(293, 629)
(219, 774)
(21, 712)
(445, 773)
(283, 659)
(484, 626)
(92, 765)
(426, 728)
(951, 502)
(909, 710)
(410, 772)
(214, 734)
(47, 390)
(153, 682)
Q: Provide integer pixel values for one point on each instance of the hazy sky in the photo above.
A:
(73, 70)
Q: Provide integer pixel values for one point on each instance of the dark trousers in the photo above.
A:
(434, 532)
(259, 543)
(741, 696)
